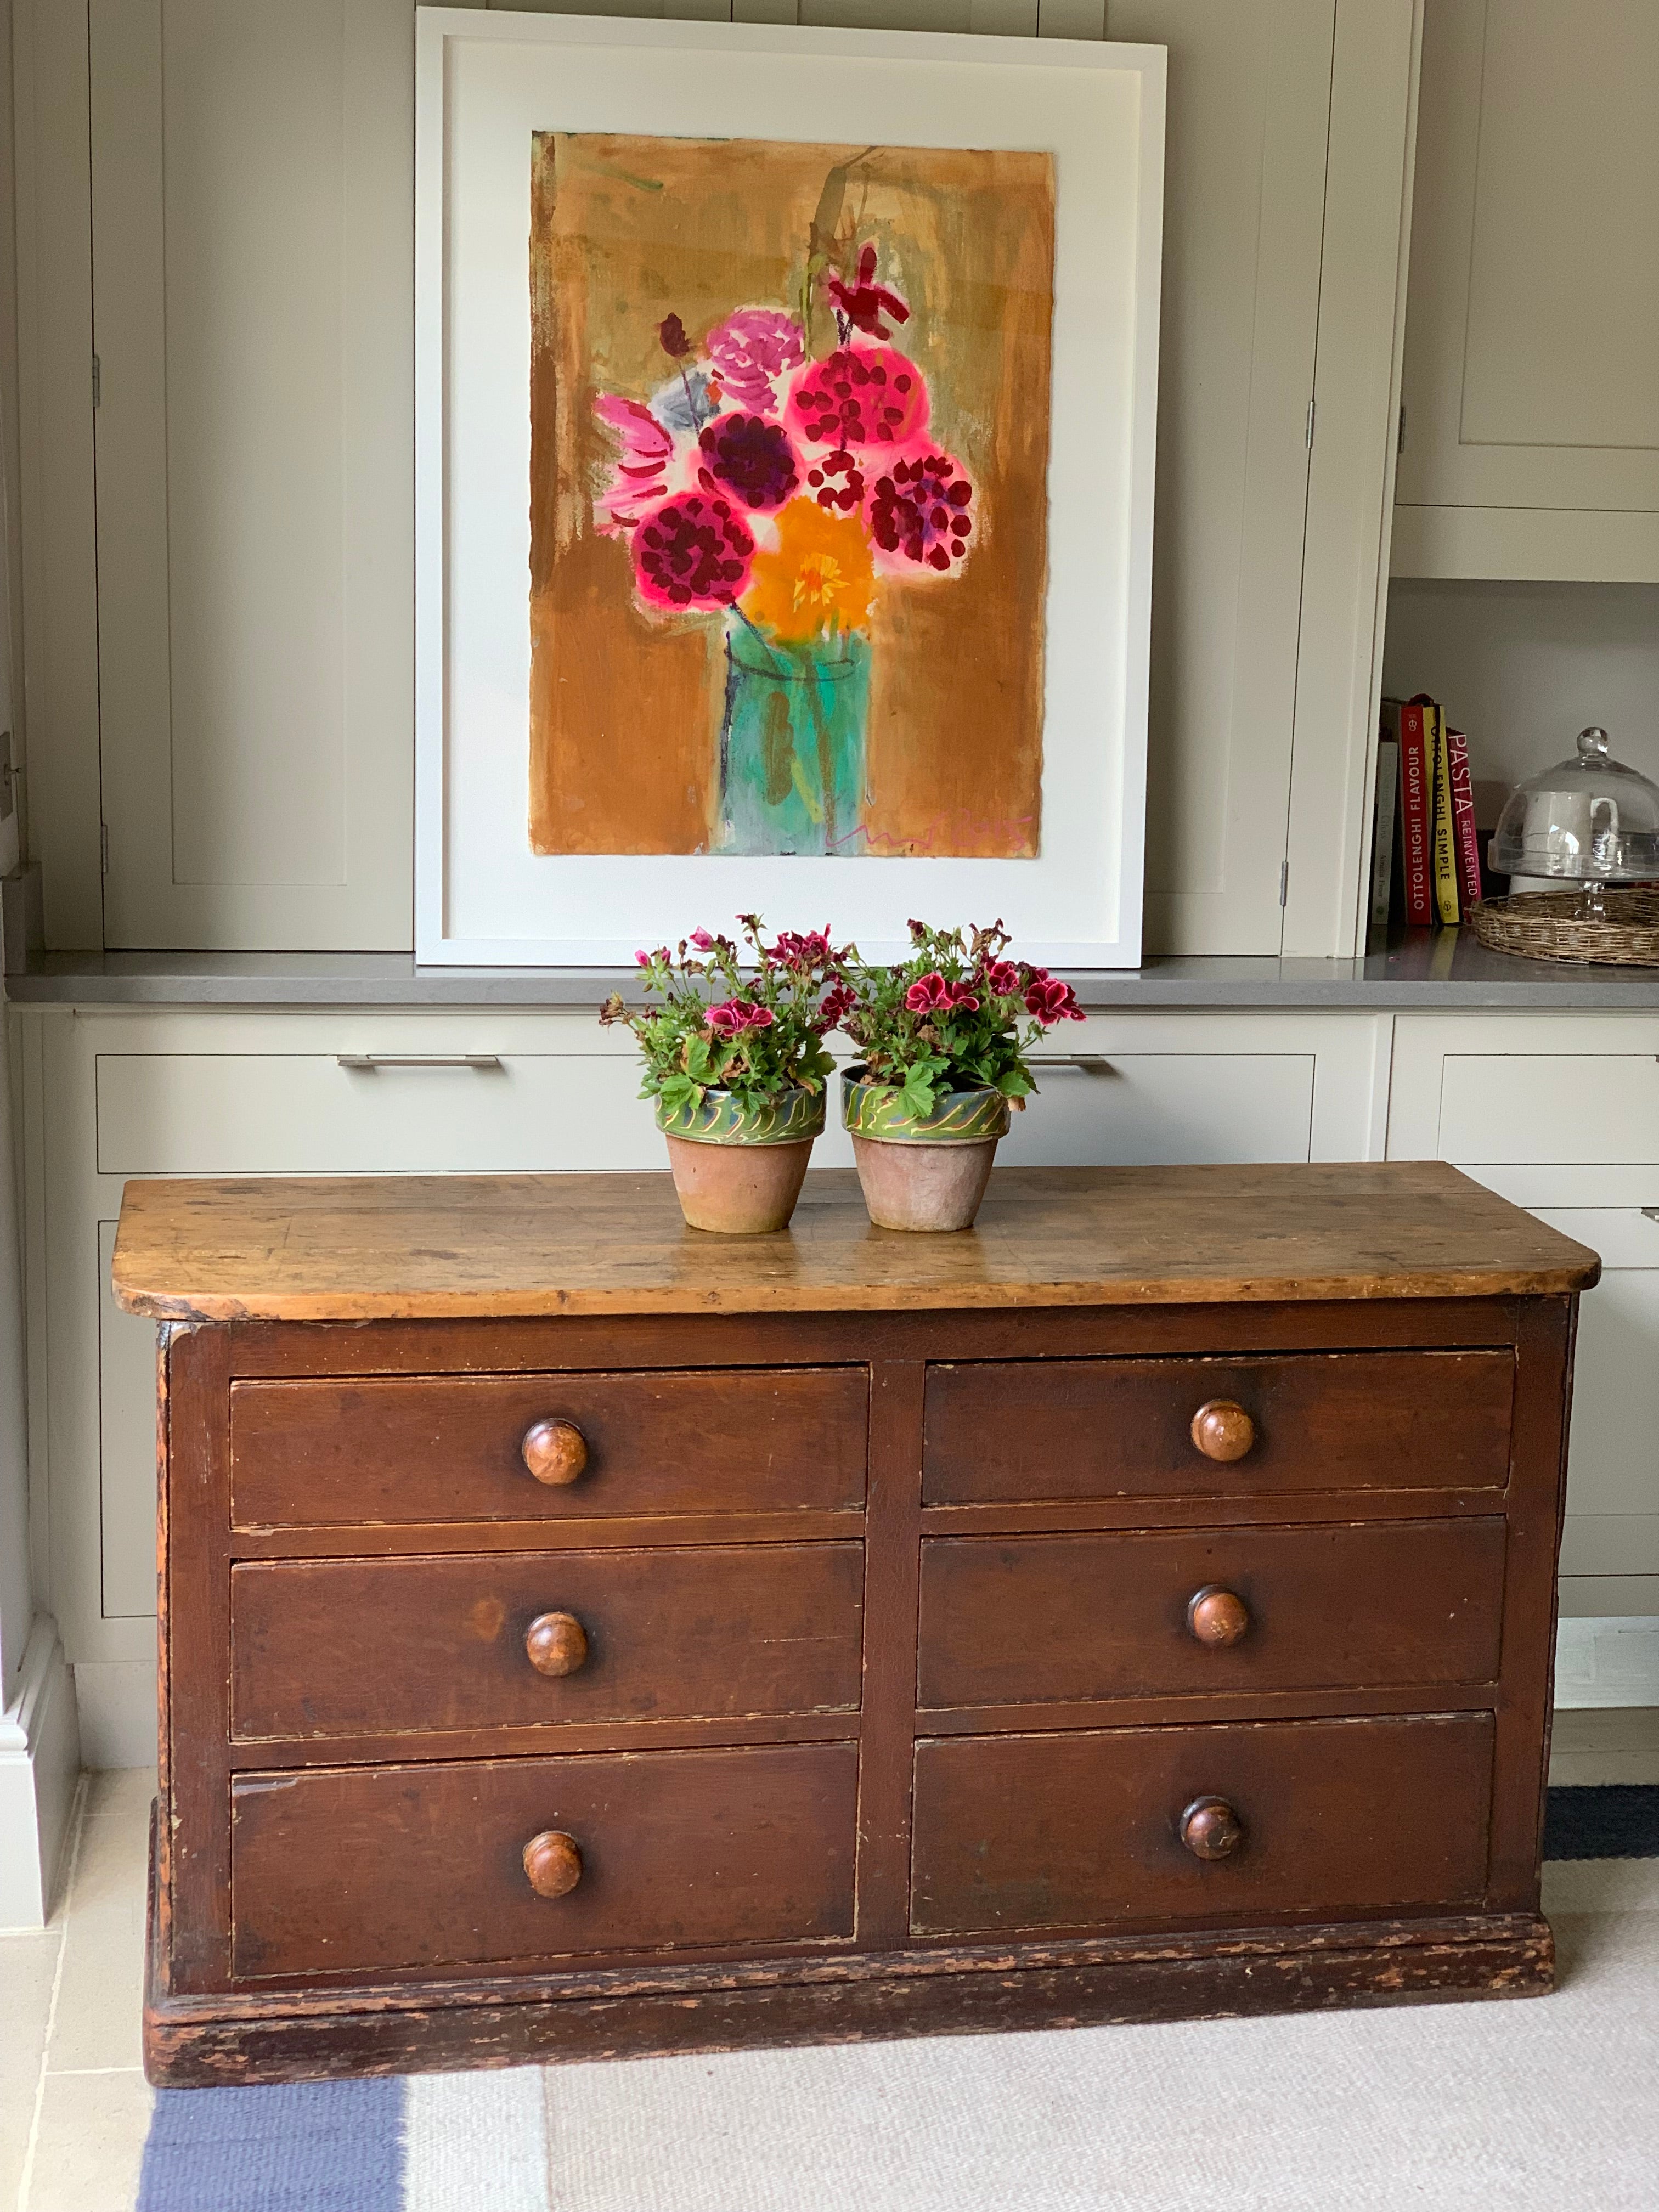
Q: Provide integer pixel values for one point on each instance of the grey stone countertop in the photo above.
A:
(1423, 969)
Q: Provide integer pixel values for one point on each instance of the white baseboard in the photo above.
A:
(1608, 1661)
(39, 1765)
(117, 1712)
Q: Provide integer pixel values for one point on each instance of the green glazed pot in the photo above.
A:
(793, 1119)
(961, 1117)
(922, 1171)
(738, 1173)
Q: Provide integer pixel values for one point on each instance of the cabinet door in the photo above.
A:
(1532, 332)
(1245, 192)
(253, 196)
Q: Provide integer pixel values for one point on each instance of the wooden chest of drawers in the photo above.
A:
(582, 1636)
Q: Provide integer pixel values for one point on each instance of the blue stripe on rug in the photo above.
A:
(300, 2147)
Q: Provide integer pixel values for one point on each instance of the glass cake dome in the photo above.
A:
(1588, 820)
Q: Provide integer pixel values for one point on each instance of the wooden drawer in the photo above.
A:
(1028, 1430)
(1339, 1818)
(345, 1647)
(1029, 1619)
(739, 1440)
(373, 1869)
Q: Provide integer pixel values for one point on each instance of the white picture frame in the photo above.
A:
(485, 82)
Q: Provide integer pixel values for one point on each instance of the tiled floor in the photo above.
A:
(74, 2103)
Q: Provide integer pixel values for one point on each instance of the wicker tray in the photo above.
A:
(1555, 926)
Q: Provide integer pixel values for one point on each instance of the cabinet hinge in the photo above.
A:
(103, 845)
(1284, 883)
(1308, 435)
(97, 382)
(1399, 442)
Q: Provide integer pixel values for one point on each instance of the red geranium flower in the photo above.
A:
(793, 950)
(934, 994)
(1049, 1000)
(835, 1006)
(1002, 978)
(864, 302)
(737, 1015)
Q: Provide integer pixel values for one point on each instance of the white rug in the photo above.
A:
(1544, 2103)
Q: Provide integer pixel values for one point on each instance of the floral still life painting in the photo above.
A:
(789, 420)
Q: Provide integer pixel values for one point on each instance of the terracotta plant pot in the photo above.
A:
(738, 1173)
(922, 1171)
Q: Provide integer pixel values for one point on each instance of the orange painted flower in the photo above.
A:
(818, 578)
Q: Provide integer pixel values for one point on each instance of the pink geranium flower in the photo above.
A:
(751, 350)
(1049, 1000)
(1002, 978)
(793, 949)
(936, 993)
(735, 1014)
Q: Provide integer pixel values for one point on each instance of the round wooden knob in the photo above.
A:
(1216, 1616)
(555, 1452)
(1210, 1829)
(1222, 1430)
(552, 1864)
(556, 1643)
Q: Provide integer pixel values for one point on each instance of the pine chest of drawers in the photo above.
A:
(584, 1636)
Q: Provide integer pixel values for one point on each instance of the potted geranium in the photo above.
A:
(943, 1039)
(736, 1064)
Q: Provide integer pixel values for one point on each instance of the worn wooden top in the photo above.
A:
(372, 1247)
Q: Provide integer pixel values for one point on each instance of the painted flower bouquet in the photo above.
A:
(944, 1038)
(782, 475)
(736, 1066)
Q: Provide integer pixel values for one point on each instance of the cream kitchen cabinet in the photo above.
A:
(103, 1096)
(1531, 376)
(1560, 1113)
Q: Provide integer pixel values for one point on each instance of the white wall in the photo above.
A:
(1523, 667)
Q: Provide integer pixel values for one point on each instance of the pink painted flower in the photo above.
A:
(861, 395)
(691, 551)
(836, 482)
(736, 1015)
(638, 476)
(749, 460)
(1049, 1000)
(751, 350)
(920, 510)
(863, 302)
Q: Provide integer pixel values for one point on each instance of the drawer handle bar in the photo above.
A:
(370, 1063)
(555, 1452)
(1076, 1063)
(1216, 1617)
(1210, 1829)
(1223, 1430)
(556, 1643)
(552, 1863)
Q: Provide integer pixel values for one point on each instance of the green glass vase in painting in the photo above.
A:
(792, 761)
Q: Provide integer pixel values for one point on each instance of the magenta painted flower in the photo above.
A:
(861, 395)
(692, 551)
(921, 509)
(863, 302)
(836, 482)
(751, 350)
(1049, 1000)
(736, 1015)
(640, 475)
(751, 461)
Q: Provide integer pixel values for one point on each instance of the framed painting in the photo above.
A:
(785, 409)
